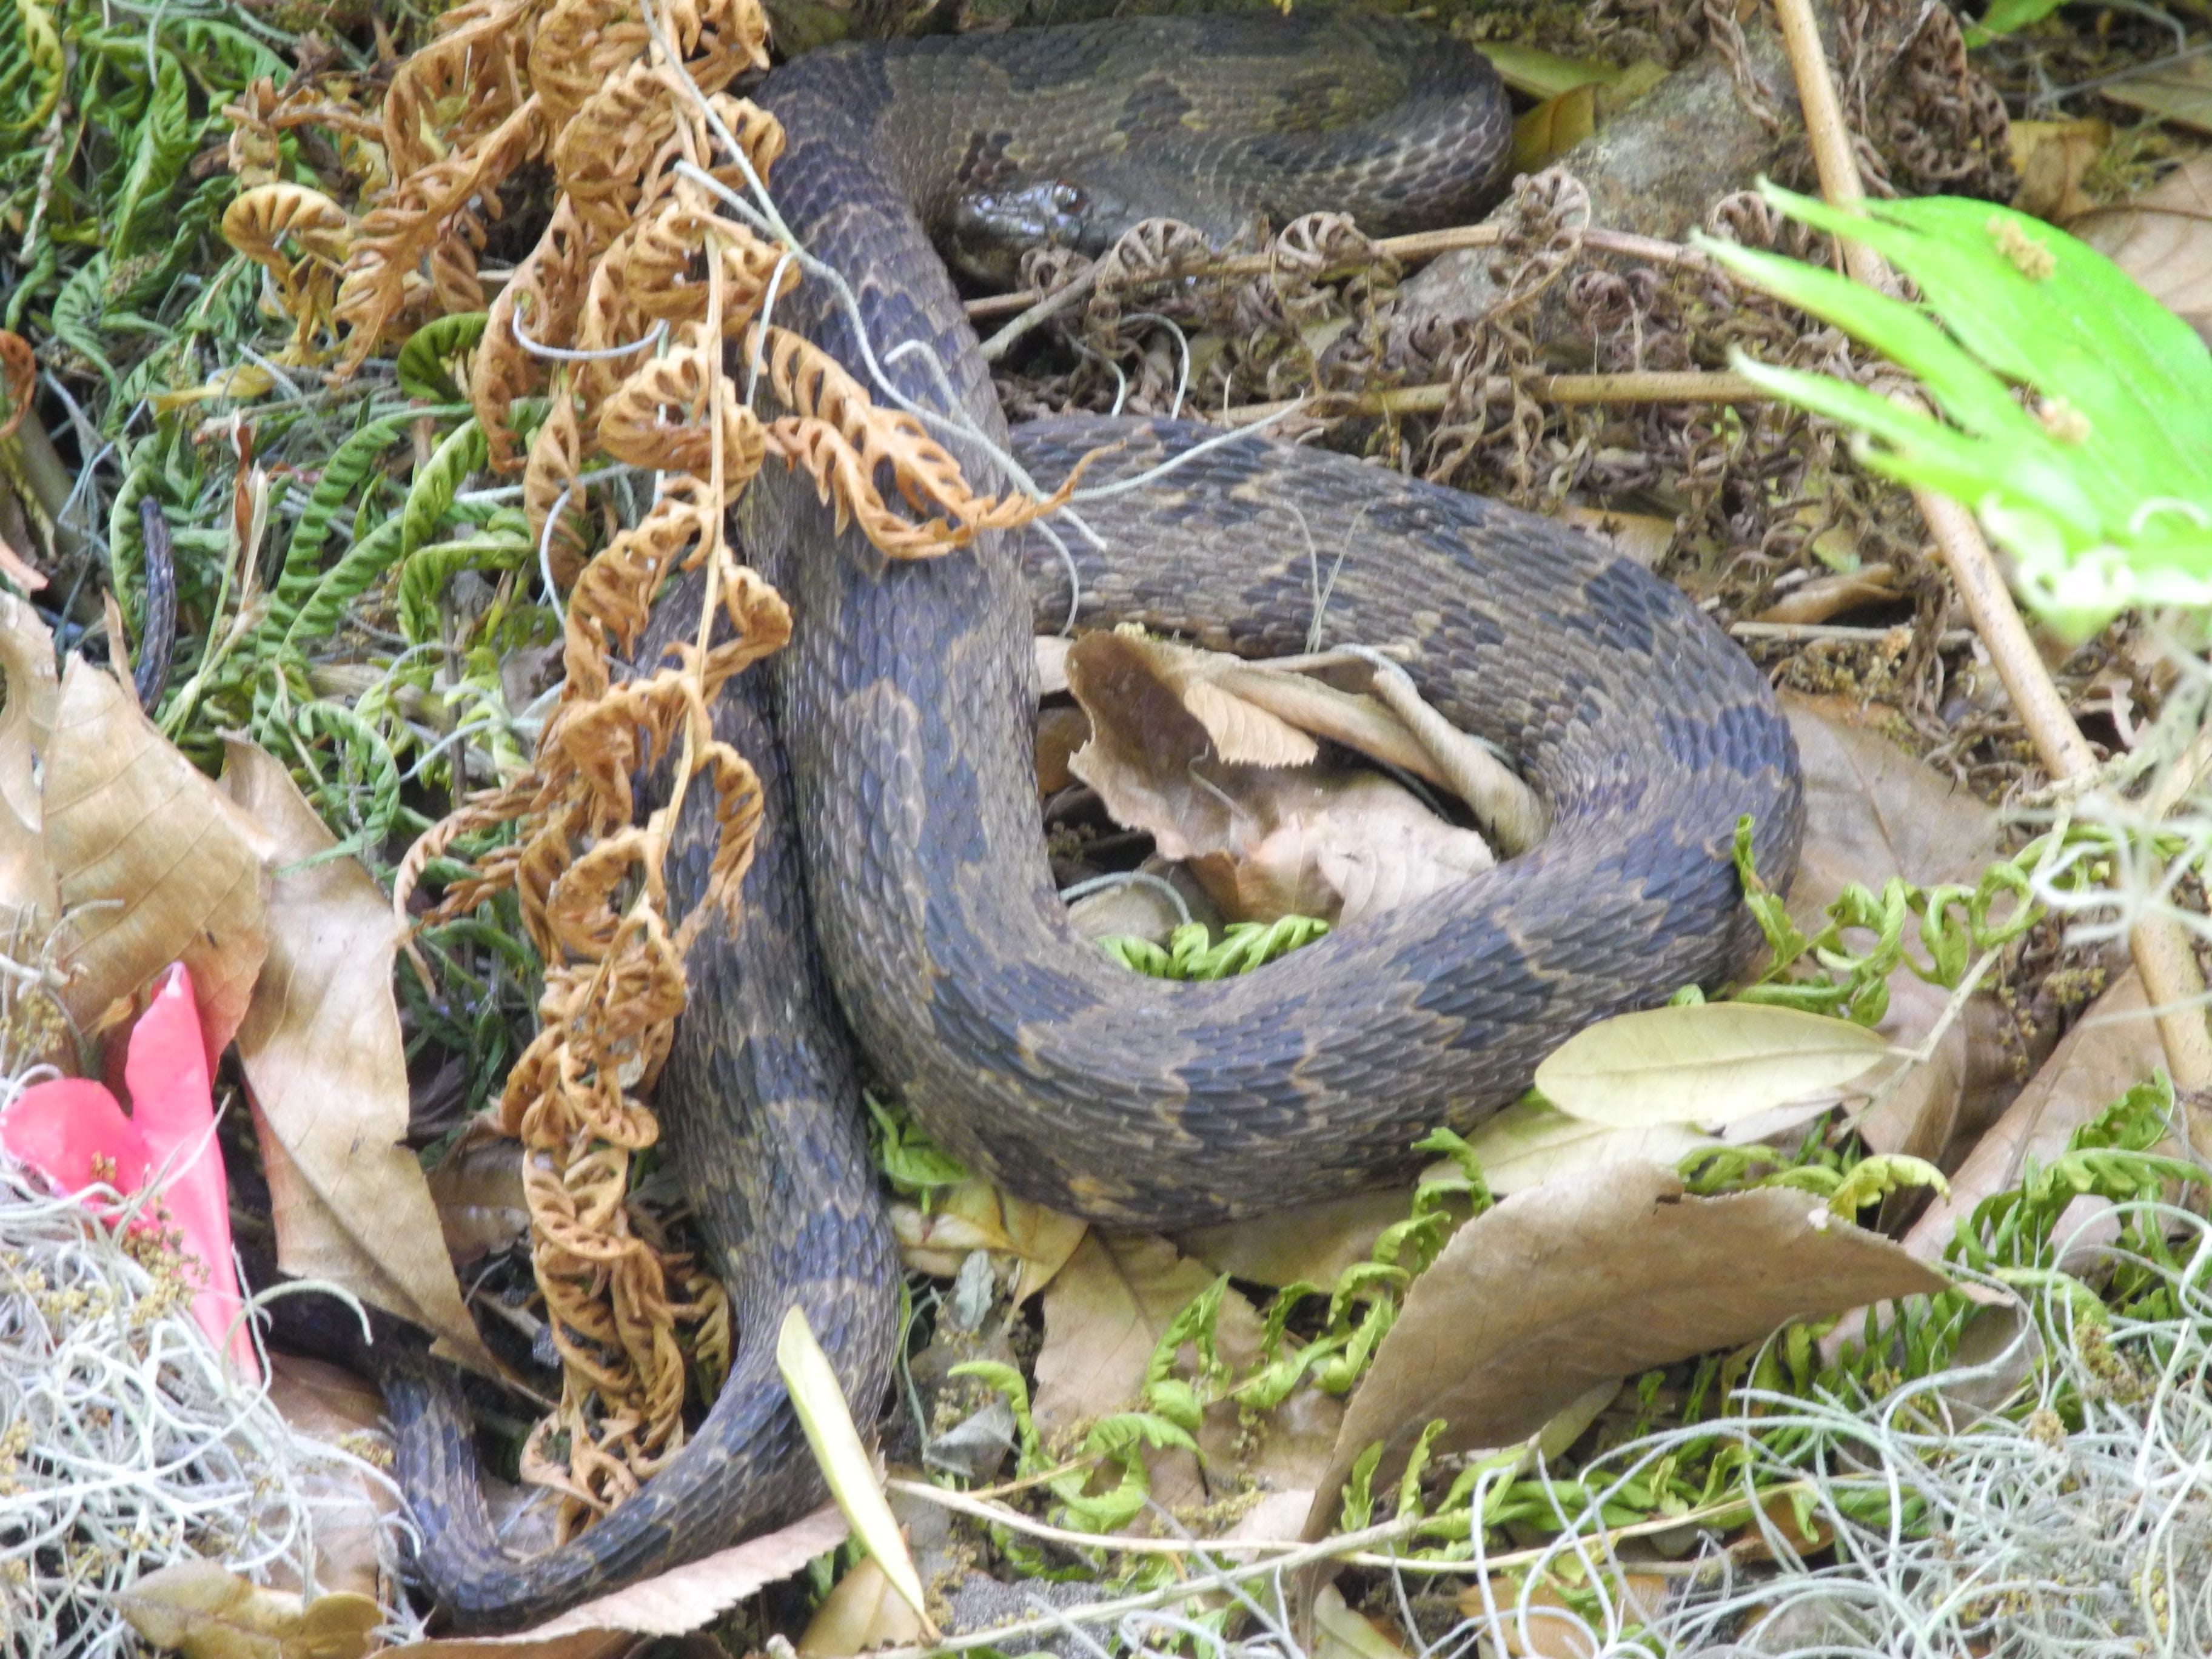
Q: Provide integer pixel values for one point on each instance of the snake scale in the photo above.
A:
(901, 906)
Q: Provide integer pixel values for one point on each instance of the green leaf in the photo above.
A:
(2103, 495)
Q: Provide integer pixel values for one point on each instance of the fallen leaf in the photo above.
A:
(827, 1419)
(1535, 73)
(346, 1510)
(1530, 1142)
(2162, 237)
(976, 1216)
(477, 1187)
(1553, 127)
(1825, 596)
(153, 863)
(2051, 158)
(1873, 812)
(2178, 90)
(1103, 1317)
(326, 1070)
(1340, 846)
(1240, 732)
(1643, 537)
(208, 1611)
(681, 1598)
(1568, 1286)
(26, 879)
(2113, 1047)
(1313, 1243)
(1541, 1625)
(862, 1611)
(1345, 1633)
(1707, 1062)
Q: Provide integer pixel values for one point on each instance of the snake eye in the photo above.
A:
(1069, 199)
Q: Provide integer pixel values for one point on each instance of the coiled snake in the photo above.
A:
(900, 892)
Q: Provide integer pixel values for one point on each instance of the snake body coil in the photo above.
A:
(901, 817)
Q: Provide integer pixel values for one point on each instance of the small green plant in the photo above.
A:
(2077, 410)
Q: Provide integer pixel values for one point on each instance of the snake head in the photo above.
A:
(989, 230)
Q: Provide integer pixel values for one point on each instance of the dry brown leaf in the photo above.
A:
(1568, 1286)
(208, 1611)
(1105, 1314)
(2051, 158)
(155, 865)
(333, 1405)
(1241, 731)
(976, 1216)
(862, 1612)
(1266, 840)
(1825, 596)
(1314, 1243)
(478, 1189)
(328, 1073)
(1551, 1630)
(1642, 538)
(2162, 237)
(680, 1599)
(1342, 1632)
(2113, 1047)
(27, 655)
(2176, 91)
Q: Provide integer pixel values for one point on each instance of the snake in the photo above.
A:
(900, 921)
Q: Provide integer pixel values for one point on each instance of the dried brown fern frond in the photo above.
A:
(543, 294)
(661, 416)
(839, 437)
(382, 276)
(549, 486)
(301, 239)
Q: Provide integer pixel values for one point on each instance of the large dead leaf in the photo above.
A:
(2113, 1047)
(2178, 90)
(2163, 239)
(155, 865)
(680, 1599)
(1313, 1243)
(323, 1058)
(347, 1511)
(27, 655)
(1105, 1314)
(208, 1611)
(2050, 157)
(1266, 840)
(1576, 1283)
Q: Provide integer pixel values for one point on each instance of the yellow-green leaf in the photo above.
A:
(844, 1462)
(1708, 1063)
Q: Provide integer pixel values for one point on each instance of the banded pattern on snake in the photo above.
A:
(900, 902)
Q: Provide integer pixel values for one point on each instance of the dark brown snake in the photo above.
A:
(901, 905)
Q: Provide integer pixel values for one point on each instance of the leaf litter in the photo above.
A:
(1365, 1273)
